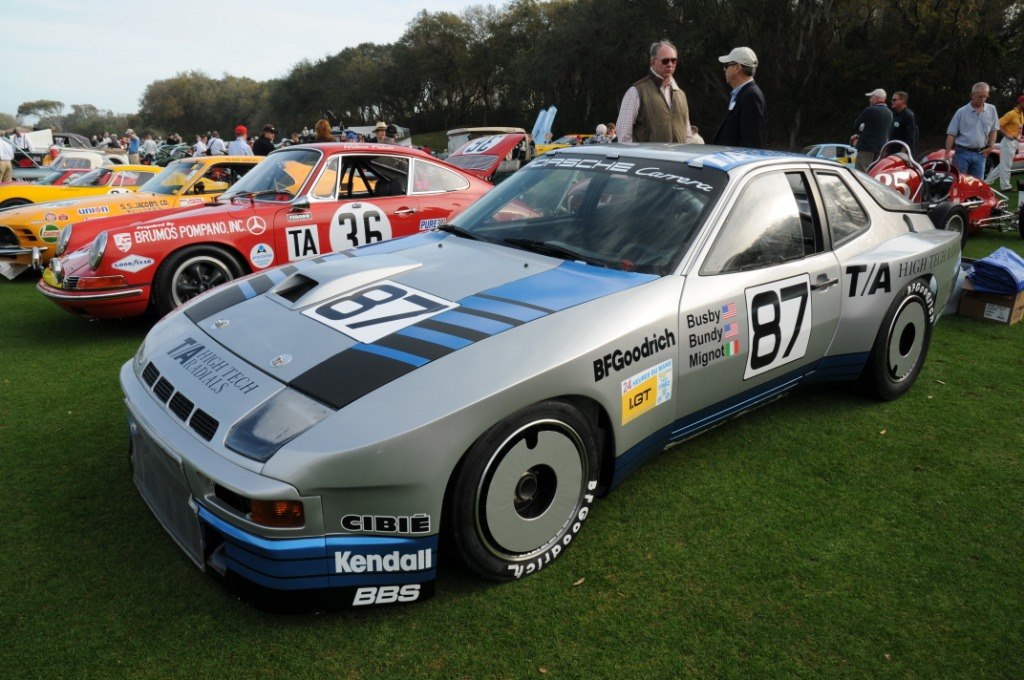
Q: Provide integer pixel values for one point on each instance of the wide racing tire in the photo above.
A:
(189, 272)
(951, 217)
(901, 343)
(524, 490)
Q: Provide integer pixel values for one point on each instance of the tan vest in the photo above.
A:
(655, 122)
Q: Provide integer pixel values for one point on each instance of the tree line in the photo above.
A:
(501, 65)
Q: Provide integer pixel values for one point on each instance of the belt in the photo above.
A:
(968, 148)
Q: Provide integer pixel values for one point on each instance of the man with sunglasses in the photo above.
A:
(654, 108)
(744, 121)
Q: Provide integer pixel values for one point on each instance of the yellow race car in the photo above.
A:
(562, 142)
(108, 179)
(29, 233)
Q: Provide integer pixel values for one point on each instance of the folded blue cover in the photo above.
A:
(1002, 273)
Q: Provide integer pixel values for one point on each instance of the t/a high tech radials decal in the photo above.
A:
(378, 310)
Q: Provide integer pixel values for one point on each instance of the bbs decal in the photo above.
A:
(779, 323)
(386, 594)
(379, 310)
(359, 223)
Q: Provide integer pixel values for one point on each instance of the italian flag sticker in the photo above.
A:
(731, 348)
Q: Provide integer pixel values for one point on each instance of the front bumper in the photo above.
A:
(97, 304)
(357, 570)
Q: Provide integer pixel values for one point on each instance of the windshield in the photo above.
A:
(51, 178)
(628, 214)
(283, 172)
(94, 178)
(477, 162)
(172, 178)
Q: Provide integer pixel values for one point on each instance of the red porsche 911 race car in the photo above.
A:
(301, 202)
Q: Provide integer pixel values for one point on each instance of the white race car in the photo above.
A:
(315, 428)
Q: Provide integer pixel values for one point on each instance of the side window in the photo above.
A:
(326, 186)
(846, 216)
(430, 178)
(773, 221)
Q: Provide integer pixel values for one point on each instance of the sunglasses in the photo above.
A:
(731, 63)
(668, 60)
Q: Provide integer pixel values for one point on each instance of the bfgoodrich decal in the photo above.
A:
(613, 362)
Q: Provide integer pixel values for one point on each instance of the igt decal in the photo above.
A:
(356, 224)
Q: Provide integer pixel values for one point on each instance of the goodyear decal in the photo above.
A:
(366, 366)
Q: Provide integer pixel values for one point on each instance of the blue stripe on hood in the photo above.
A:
(361, 369)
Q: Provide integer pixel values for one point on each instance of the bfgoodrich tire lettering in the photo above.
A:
(525, 490)
(189, 272)
(901, 344)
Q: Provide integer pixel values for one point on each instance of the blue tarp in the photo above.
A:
(1002, 273)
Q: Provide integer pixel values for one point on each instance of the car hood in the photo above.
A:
(481, 157)
(296, 323)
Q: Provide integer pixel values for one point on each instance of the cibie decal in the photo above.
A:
(261, 255)
(49, 233)
(645, 390)
(382, 309)
(303, 242)
(779, 324)
(387, 524)
(132, 263)
(256, 225)
(356, 224)
(123, 242)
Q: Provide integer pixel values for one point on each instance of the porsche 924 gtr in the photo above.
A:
(316, 427)
(300, 202)
(31, 235)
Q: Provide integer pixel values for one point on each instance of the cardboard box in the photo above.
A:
(1006, 309)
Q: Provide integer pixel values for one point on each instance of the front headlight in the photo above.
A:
(280, 419)
(63, 239)
(96, 250)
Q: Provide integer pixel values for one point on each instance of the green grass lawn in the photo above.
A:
(823, 535)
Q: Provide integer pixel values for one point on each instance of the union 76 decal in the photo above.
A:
(780, 323)
(379, 310)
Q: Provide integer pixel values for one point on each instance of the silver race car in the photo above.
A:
(319, 426)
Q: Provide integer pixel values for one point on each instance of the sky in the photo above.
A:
(106, 53)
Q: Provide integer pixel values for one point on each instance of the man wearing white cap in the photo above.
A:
(744, 121)
(871, 129)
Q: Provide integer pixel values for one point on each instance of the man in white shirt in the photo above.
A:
(240, 145)
(199, 148)
(216, 146)
(6, 158)
(21, 142)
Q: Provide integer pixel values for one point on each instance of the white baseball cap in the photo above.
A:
(877, 92)
(741, 55)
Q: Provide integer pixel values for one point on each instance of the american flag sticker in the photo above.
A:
(731, 330)
(728, 311)
(731, 348)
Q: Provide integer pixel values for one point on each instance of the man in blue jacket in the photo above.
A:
(744, 121)
(871, 129)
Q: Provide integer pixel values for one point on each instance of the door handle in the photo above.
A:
(823, 283)
(402, 212)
